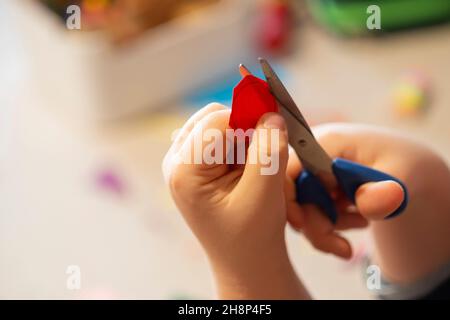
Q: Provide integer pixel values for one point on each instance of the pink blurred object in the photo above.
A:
(109, 180)
(359, 254)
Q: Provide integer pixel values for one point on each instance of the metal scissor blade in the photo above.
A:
(311, 154)
(280, 93)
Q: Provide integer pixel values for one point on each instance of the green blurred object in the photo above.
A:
(349, 17)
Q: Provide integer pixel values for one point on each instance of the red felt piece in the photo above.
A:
(251, 99)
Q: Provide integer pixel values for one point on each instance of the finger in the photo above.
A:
(377, 200)
(347, 219)
(183, 133)
(320, 232)
(203, 153)
(265, 168)
(295, 215)
(350, 221)
(294, 211)
(343, 204)
(348, 214)
(294, 166)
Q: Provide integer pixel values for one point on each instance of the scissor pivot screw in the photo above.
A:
(302, 142)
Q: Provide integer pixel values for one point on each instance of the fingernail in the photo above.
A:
(381, 185)
(275, 121)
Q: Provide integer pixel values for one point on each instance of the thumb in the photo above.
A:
(377, 200)
(267, 156)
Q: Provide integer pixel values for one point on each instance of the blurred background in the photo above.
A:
(87, 115)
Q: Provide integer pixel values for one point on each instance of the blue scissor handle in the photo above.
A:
(350, 176)
(310, 190)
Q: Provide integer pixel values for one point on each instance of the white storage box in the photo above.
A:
(81, 72)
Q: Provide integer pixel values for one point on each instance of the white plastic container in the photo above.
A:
(82, 73)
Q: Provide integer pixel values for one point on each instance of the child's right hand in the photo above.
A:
(407, 246)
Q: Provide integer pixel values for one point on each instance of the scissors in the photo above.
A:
(320, 173)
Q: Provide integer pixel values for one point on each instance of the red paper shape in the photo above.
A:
(251, 99)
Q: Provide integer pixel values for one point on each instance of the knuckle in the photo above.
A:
(328, 131)
(214, 106)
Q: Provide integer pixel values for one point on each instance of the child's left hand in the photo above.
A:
(237, 213)
(232, 210)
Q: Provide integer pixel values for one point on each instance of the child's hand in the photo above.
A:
(234, 210)
(237, 213)
(407, 245)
